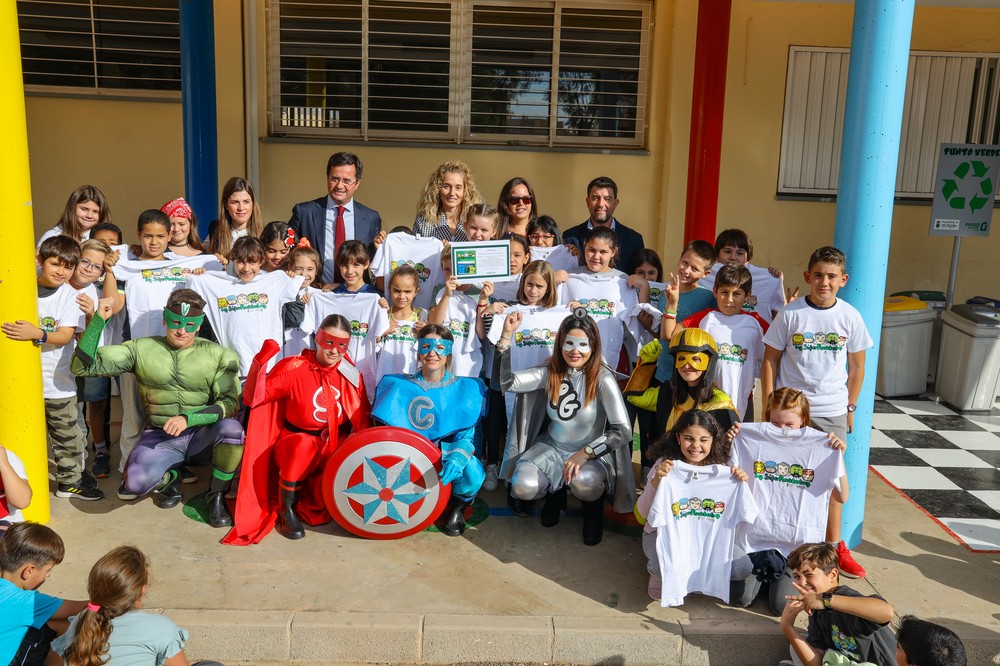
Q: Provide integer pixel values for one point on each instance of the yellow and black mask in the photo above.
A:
(695, 347)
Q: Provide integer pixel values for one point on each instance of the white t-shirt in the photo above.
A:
(148, 285)
(506, 292)
(696, 512)
(424, 254)
(608, 299)
(460, 319)
(792, 475)
(368, 322)
(15, 515)
(57, 231)
(815, 344)
(398, 351)
(559, 257)
(57, 308)
(531, 344)
(245, 314)
(766, 296)
(740, 338)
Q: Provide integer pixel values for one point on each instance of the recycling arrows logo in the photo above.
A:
(971, 176)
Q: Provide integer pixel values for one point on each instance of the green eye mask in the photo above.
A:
(175, 321)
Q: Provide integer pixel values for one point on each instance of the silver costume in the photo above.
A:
(534, 457)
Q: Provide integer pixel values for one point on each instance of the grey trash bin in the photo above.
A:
(968, 375)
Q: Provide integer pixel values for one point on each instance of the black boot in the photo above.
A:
(454, 517)
(519, 507)
(554, 504)
(218, 511)
(289, 525)
(168, 493)
(593, 522)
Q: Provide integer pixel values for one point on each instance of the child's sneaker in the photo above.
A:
(80, 490)
(187, 476)
(124, 494)
(847, 565)
(655, 588)
(102, 465)
(492, 481)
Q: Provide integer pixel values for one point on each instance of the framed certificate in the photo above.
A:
(479, 261)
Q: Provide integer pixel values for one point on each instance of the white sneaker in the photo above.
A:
(492, 481)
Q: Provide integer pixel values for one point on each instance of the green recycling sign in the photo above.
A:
(966, 187)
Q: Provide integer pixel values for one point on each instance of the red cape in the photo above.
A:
(257, 499)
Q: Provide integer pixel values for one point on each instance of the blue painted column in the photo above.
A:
(880, 49)
(201, 150)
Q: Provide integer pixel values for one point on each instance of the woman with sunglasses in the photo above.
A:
(443, 408)
(517, 206)
(570, 428)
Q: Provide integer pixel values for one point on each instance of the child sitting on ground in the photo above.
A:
(15, 493)
(113, 629)
(29, 620)
(922, 643)
(847, 622)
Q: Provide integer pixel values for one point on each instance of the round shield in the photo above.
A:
(382, 483)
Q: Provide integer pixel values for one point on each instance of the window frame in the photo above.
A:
(459, 130)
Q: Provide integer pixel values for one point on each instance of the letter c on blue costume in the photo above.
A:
(421, 412)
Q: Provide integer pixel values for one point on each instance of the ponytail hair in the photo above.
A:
(115, 585)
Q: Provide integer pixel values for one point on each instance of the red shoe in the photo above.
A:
(847, 564)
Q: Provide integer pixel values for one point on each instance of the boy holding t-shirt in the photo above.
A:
(817, 345)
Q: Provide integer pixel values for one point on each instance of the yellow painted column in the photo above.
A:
(22, 421)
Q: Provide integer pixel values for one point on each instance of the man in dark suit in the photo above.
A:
(602, 199)
(330, 220)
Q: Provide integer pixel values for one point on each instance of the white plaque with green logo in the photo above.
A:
(965, 189)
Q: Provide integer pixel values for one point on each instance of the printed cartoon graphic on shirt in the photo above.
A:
(242, 302)
(733, 353)
(175, 274)
(696, 507)
(359, 329)
(844, 643)
(458, 327)
(49, 324)
(783, 472)
(599, 307)
(534, 337)
(809, 341)
(405, 333)
(423, 272)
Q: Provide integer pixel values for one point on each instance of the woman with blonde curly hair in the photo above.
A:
(445, 201)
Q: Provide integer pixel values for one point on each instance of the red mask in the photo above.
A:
(326, 341)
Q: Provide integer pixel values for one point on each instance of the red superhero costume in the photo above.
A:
(296, 414)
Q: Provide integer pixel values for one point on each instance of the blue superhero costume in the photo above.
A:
(444, 412)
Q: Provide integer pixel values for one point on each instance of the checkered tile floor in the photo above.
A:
(945, 462)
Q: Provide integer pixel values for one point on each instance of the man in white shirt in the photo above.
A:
(330, 220)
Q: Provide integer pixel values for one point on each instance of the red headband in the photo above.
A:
(177, 208)
(304, 242)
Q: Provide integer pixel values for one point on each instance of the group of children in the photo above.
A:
(697, 339)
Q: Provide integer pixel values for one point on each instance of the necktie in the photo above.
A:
(339, 236)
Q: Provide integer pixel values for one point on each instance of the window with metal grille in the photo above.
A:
(462, 71)
(104, 46)
(950, 98)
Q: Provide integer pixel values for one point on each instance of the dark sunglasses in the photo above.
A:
(518, 200)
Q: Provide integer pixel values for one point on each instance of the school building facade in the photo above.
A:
(556, 91)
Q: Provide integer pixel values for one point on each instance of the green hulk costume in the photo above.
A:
(199, 382)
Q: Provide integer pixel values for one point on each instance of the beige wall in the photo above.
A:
(133, 150)
(785, 232)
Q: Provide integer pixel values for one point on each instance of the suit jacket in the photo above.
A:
(629, 243)
(309, 221)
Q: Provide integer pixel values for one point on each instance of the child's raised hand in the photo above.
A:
(222, 259)
(382, 303)
(732, 432)
(837, 443)
(198, 271)
(573, 249)
(637, 282)
(417, 326)
(775, 272)
(379, 238)
(791, 295)
(487, 290)
(646, 320)
(561, 277)
(739, 474)
(511, 323)
(450, 285)
(86, 305)
(661, 470)
(111, 259)
(304, 298)
(329, 287)
(573, 305)
(496, 308)
(105, 308)
(671, 290)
